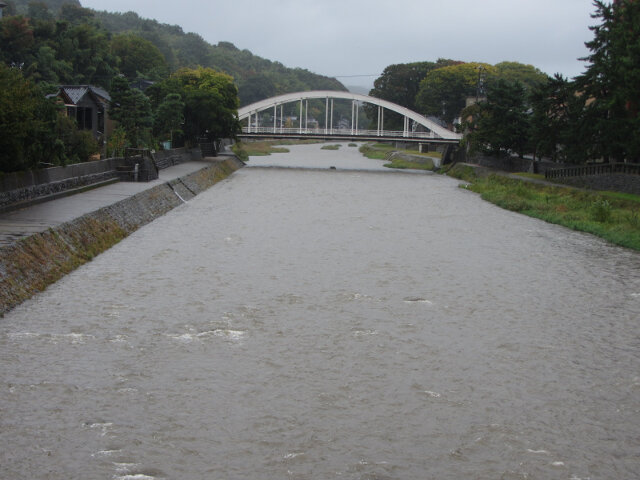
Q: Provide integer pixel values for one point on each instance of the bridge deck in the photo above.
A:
(347, 136)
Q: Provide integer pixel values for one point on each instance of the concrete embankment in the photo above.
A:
(31, 264)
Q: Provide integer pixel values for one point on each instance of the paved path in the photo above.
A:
(38, 218)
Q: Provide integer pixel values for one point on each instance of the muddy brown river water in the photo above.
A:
(317, 324)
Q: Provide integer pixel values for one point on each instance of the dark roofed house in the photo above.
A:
(88, 105)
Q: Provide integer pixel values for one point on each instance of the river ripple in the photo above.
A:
(330, 324)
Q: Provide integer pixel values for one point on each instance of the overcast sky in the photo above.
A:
(355, 40)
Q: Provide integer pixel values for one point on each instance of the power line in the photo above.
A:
(354, 76)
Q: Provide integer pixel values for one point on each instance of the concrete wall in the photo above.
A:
(19, 188)
(17, 180)
(35, 262)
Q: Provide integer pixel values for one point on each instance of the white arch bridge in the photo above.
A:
(430, 133)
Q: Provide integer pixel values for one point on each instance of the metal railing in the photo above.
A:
(337, 132)
(596, 169)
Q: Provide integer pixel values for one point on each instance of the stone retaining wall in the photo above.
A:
(615, 182)
(33, 263)
(513, 164)
(168, 158)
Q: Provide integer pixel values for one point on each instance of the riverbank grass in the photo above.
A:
(244, 150)
(401, 164)
(609, 215)
(385, 151)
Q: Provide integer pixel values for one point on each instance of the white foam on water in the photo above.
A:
(128, 390)
(104, 427)
(431, 394)
(230, 334)
(538, 451)
(124, 467)
(119, 339)
(362, 333)
(234, 335)
(635, 295)
(184, 337)
(289, 456)
(105, 453)
(557, 464)
(361, 296)
(21, 335)
(136, 476)
(74, 337)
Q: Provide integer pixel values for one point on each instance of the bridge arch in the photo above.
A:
(434, 130)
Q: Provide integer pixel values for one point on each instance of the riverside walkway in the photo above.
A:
(42, 216)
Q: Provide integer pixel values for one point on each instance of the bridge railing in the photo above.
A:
(337, 131)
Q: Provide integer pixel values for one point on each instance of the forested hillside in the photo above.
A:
(256, 77)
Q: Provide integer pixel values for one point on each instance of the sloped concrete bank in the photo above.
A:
(33, 263)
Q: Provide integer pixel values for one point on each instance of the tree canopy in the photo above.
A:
(611, 82)
(443, 91)
(210, 102)
(595, 117)
(500, 123)
(400, 84)
(138, 57)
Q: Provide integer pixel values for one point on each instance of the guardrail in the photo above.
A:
(599, 169)
(338, 132)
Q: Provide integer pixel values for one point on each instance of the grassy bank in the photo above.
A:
(244, 150)
(383, 151)
(609, 215)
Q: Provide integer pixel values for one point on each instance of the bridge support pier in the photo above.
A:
(380, 120)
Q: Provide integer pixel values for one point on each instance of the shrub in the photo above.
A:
(601, 211)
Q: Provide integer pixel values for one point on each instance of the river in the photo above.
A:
(316, 324)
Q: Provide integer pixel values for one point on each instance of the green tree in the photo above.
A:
(16, 40)
(132, 110)
(528, 75)
(138, 57)
(77, 145)
(27, 123)
(75, 14)
(39, 11)
(86, 48)
(169, 118)
(500, 124)
(443, 92)
(611, 81)
(398, 84)
(557, 122)
(210, 98)
(256, 88)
